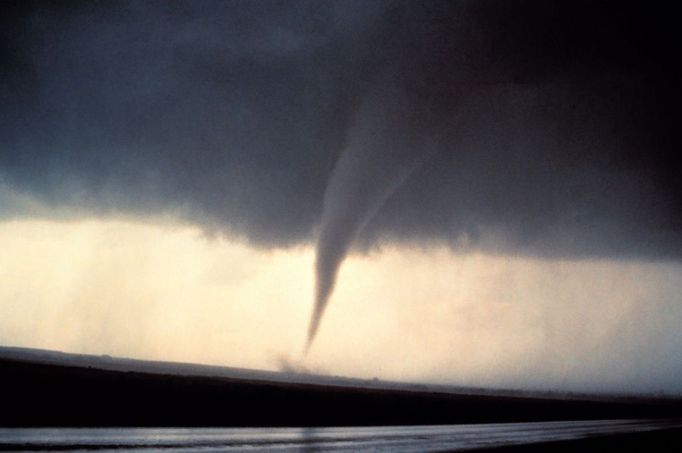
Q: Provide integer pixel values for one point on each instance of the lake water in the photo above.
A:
(375, 439)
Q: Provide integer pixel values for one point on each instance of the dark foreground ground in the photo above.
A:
(38, 392)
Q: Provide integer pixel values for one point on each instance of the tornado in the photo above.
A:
(380, 155)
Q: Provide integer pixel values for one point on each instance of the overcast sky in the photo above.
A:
(208, 165)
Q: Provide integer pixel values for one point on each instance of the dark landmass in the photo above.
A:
(44, 388)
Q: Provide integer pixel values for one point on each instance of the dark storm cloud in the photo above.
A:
(229, 112)
(549, 128)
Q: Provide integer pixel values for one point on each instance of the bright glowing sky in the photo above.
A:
(166, 291)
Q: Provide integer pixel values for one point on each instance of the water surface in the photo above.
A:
(335, 439)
